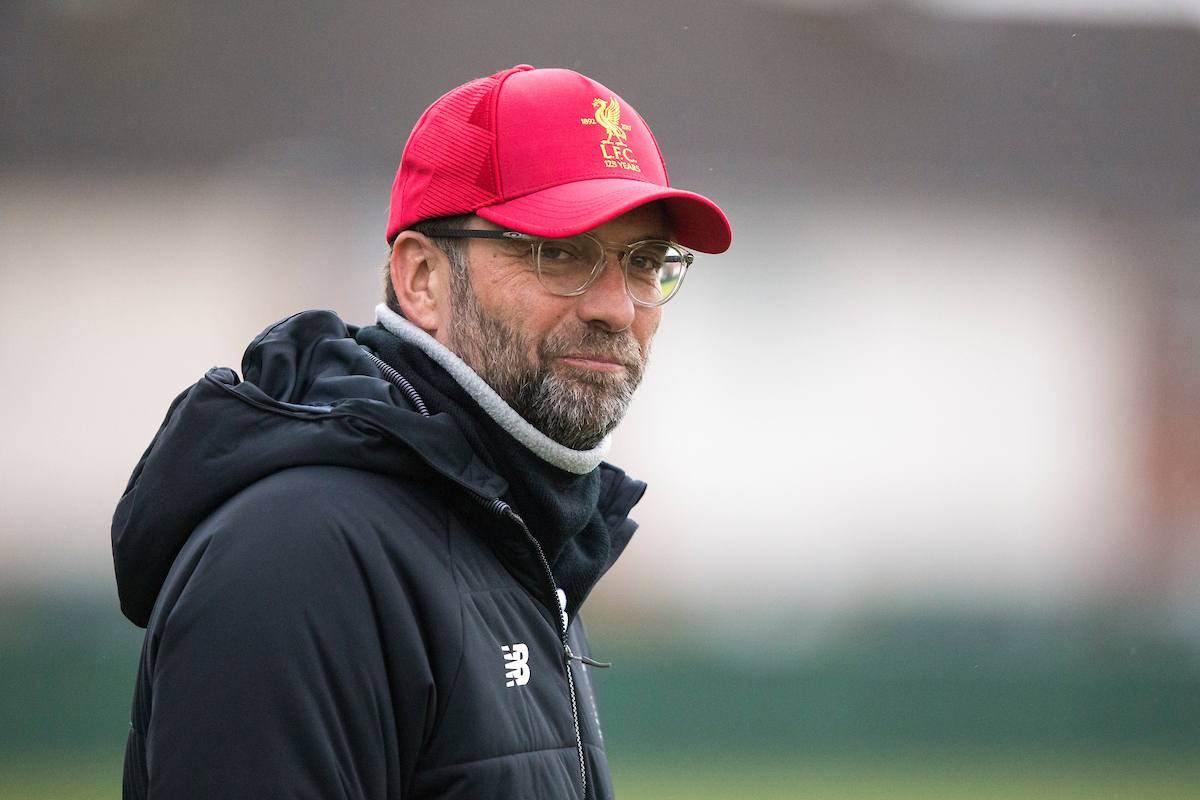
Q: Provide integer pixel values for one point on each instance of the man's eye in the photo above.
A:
(645, 262)
(564, 251)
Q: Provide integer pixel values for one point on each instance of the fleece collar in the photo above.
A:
(580, 462)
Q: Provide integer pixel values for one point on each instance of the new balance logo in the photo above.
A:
(516, 662)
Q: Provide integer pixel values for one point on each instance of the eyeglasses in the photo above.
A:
(568, 267)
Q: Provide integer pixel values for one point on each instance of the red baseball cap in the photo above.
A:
(548, 152)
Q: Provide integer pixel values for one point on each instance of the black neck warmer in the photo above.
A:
(559, 507)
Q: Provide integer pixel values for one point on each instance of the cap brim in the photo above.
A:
(568, 209)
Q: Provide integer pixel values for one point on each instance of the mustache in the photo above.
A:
(618, 346)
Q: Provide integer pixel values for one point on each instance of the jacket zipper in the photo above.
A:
(399, 381)
(502, 509)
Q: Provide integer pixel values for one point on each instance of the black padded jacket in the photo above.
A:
(339, 600)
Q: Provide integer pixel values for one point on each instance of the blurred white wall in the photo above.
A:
(872, 398)
(900, 399)
(116, 293)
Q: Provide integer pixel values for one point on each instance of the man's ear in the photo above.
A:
(420, 274)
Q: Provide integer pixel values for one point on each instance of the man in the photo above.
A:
(361, 566)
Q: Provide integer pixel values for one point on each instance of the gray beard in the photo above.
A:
(575, 407)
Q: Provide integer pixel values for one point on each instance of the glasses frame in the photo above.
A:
(597, 270)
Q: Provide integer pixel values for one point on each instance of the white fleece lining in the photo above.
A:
(579, 462)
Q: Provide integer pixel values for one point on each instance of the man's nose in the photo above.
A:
(606, 302)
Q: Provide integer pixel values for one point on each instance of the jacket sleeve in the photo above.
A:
(269, 673)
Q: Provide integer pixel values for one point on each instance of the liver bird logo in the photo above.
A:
(608, 114)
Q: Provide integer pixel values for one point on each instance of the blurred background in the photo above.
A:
(923, 447)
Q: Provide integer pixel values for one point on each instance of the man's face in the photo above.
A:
(568, 365)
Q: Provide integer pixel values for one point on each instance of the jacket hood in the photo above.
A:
(310, 396)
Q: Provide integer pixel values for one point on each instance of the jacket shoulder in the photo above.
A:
(319, 517)
(294, 633)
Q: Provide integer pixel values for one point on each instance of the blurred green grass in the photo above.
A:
(932, 683)
(918, 777)
(930, 706)
(1025, 777)
(68, 777)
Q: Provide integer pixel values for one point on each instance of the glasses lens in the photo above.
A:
(566, 265)
(654, 270)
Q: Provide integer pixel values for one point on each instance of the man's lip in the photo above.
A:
(599, 363)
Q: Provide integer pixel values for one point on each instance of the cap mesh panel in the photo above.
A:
(463, 151)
